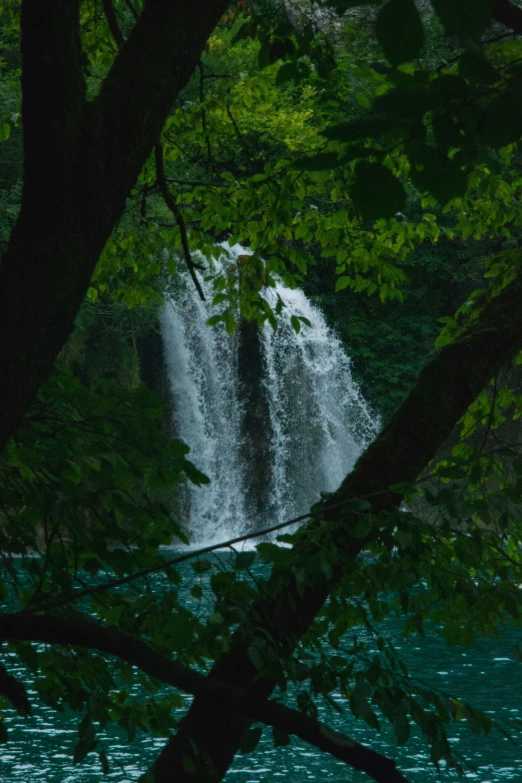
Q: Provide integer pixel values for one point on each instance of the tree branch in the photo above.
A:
(110, 15)
(508, 14)
(53, 92)
(152, 67)
(69, 631)
(171, 204)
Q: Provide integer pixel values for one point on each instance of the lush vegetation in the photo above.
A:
(366, 152)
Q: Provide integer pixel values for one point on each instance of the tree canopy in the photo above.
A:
(354, 148)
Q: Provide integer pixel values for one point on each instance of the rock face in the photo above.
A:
(153, 371)
(257, 467)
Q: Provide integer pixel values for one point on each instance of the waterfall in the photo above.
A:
(273, 418)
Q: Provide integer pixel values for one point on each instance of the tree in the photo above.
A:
(69, 206)
(81, 159)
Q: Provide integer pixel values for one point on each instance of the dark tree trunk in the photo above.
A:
(81, 160)
(444, 390)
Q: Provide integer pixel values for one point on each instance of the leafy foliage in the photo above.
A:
(326, 165)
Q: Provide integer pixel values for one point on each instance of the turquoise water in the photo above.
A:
(486, 676)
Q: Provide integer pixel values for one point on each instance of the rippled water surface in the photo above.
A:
(487, 676)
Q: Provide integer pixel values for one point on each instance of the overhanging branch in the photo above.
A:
(68, 631)
(508, 14)
(178, 217)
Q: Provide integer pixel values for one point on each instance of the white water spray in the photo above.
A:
(268, 459)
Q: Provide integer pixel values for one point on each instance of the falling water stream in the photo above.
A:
(273, 418)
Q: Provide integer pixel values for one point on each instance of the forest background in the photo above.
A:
(369, 156)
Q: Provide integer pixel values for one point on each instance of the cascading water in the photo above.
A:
(319, 420)
(273, 418)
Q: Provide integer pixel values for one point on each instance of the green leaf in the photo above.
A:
(230, 322)
(287, 73)
(324, 161)
(362, 527)
(401, 726)
(281, 48)
(263, 57)
(104, 762)
(342, 283)
(246, 30)
(404, 105)
(400, 32)
(434, 172)
(296, 324)
(476, 68)
(250, 739)
(280, 738)
(363, 100)
(371, 128)
(189, 765)
(86, 728)
(244, 560)
(376, 192)
(201, 566)
(5, 131)
(464, 18)
(371, 719)
(83, 747)
(501, 122)
(449, 88)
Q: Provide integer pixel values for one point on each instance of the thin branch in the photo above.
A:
(203, 113)
(154, 64)
(508, 14)
(108, 10)
(69, 631)
(166, 564)
(171, 204)
(237, 131)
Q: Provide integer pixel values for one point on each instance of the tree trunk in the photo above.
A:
(81, 160)
(442, 394)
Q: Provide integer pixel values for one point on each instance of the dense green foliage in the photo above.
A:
(375, 164)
